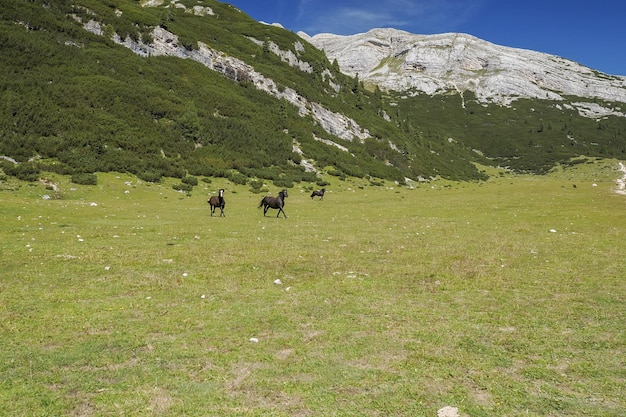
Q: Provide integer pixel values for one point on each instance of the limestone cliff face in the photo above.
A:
(166, 43)
(405, 62)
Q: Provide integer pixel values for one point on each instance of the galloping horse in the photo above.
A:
(217, 201)
(269, 202)
(318, 193)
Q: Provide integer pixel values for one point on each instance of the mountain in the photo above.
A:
(435, 64)
(162, 89)
(179, 89)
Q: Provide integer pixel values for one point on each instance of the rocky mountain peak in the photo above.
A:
(434, 64)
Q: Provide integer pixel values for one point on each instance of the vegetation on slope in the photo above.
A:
(75, 102)
(90, 105)
(530, 135)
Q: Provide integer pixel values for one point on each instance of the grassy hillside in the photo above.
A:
(499, 298)
(529, 136)
(75, 103)
(90, 105)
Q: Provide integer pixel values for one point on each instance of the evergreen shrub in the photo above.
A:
(193, 181)
(24, 171)
(149, 176)
(256, 186)
(237, 178)
(283, 182)
(183, 187)
(84, 178)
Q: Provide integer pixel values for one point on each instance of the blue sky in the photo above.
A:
(592, 33)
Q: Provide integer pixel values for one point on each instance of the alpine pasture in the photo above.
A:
(505, 297)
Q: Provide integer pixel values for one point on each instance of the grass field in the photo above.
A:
(505, 298)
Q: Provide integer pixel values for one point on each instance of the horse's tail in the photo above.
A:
(313, 194)
(261, 203)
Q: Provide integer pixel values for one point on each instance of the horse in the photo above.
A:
(318, 193)
(269, 202)
(217, 201)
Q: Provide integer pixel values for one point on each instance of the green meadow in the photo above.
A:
(500, 298)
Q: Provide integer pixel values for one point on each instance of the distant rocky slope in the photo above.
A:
(401, 61)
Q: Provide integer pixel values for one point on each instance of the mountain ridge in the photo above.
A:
(436, 64)
(165, 89)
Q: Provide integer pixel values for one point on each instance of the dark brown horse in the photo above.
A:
(318, 193)
(269, 202)
(218, 201)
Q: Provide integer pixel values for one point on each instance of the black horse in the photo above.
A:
(318, 193)
(218, 201)
(269, 202)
